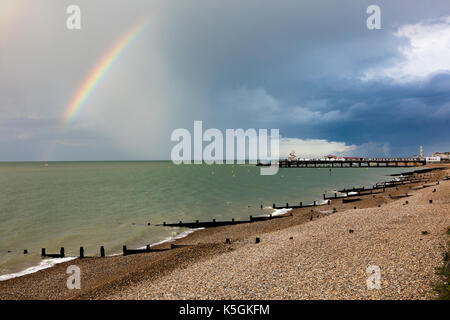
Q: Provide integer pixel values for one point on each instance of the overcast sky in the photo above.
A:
(310, 68)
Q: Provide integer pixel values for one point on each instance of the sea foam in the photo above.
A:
(44, 264)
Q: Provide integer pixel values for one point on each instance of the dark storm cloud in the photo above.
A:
(312, 69)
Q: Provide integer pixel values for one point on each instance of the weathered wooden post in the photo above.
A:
(62, 252)
(147, 248)
(251, 218)
(124, 248)
(43, 252)
(102, 251)
(81, 252)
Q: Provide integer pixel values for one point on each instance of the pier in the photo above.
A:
(354, 163)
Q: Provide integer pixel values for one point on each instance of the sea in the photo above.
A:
(111, 204)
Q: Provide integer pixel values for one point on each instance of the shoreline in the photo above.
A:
(202, 245)
(45, 263)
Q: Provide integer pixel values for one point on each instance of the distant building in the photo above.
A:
(442, 155)
(421, 152)
(433, 159)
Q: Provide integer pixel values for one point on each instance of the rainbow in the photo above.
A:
(97, 74)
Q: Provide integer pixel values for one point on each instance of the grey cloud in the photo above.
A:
(299, 63)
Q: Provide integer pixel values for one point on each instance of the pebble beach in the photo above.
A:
(320, 254)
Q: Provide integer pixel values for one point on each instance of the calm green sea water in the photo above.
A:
(110, 203)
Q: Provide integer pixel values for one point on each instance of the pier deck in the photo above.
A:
(362, 163)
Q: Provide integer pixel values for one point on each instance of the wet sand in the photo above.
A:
(297, 258)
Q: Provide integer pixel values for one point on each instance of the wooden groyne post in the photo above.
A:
(53, 255)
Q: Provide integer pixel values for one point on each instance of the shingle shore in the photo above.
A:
(323, 260)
